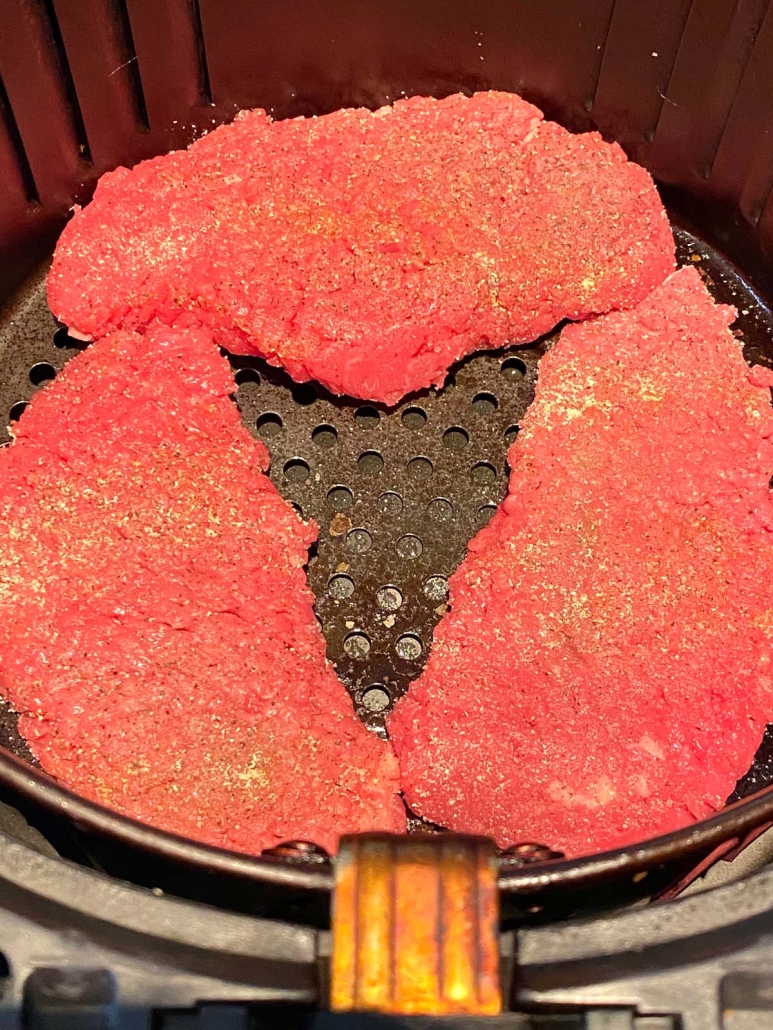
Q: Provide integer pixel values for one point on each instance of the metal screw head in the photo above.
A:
(299, 851)
(529, 853)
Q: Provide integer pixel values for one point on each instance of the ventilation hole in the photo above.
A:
(409, 547)
(358, 541)
(268, 424)
(203, 64)
(130, 67)
(42, 373)
(247, 378)
(17, 411)
(414, 418)
(370, 463)
(366, 417)
(436, 588)
(325, 436)
(340, 498)
(296, 470)
(409, 647)
(357, 645)
(19, 154)
(440, 510)
(456, 438)
(484, 403)
(420, 468)
(483, 473)
(390, 503)
(305, 394)
(340, 587)
(513, 368)
(63, 340)
(510, 434)
(389, 599)
(376, 699)
(485, 513)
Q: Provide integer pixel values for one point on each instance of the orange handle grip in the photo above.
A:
(415, 921)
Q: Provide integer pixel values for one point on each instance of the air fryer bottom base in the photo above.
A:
(397, 493)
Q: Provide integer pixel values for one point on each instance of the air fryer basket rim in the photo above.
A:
(732, 825)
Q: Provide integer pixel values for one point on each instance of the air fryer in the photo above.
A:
(685, 86)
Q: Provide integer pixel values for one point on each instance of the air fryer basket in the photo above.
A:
(85, 85)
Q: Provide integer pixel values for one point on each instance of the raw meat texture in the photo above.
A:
(604, 674)
(156, 631)
(368, 251)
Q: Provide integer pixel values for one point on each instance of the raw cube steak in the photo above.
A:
(368, 250)
(605, 671)
(156, 631)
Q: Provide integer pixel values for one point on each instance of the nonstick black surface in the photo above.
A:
(396, 493)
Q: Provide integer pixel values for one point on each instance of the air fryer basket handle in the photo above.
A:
(415, 925)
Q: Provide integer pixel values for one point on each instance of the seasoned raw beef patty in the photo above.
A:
(368, 250)
(156, 631)
(605, 671)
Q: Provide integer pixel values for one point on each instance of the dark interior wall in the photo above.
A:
(85, 85)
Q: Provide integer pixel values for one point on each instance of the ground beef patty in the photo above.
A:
(368, 250)
(156, 631)
(605, 671)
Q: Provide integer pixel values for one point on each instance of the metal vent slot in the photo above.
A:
(738, 53)
(206, 88)
(9, 123)
(713, 53)
(632, 84)
(67, 85)
(132, 69)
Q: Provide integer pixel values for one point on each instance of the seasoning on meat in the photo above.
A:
(605, 673)
(368, 251)
(156, 631)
